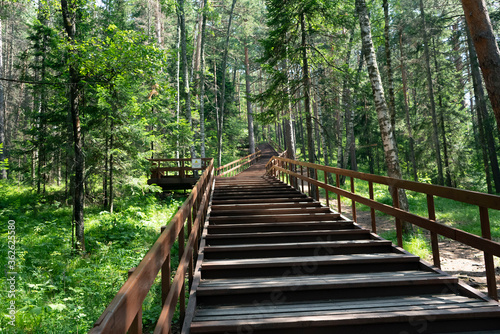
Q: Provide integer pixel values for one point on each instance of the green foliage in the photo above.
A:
(4, 165)
(62, 292)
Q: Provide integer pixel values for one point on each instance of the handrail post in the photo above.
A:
(309, 191)
(326, 190)
(353, 202)
(372, 210)
(302, 180)
(182, 297)
(431, 209)
(136, 326)
(195, 246)
(165, 275)
(488, 258)
(339, 200)
(317, 187)
(399, 226)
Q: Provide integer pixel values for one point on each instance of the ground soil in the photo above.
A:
(456, 259)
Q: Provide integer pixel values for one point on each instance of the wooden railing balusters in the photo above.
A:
(431, 209)
(372, 210)
(399, 225)
(301, 179)
(488, 258)
(339, 200)
(136, 327)
(166, 271)
(326, 191)
(353, 202)
(482, 201)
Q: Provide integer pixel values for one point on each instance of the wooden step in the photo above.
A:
(412, 314)
(269, 211)
(294, 199)
(289, 236)
(308, 265)
(251, 206)
(267, 218)
(333, 287)
(294, 249)
(281, 227)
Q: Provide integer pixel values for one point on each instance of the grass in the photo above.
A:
(58, 291)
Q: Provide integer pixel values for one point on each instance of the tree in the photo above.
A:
(488, 54)
(386, 130)
(69, 13)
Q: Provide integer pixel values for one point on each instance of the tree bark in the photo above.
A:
(186, 94)
(202, 81)
(69, 20)
(485, 126)
(307, 90)
(488, 54)
(251, 138)
(3, 172)
(407, 109)
(431, 97)
(223, 88)
(390, 80)
(441, 118)
(386, 130)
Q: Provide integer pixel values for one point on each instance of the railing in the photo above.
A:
(237, 166)
(292, 172)
(182, 168)
(125, 311)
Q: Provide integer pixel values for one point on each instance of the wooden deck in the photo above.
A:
(273, 260)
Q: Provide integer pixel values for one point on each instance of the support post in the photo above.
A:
(488, 258)
(431, 209)
(136, 326)
(372, 210)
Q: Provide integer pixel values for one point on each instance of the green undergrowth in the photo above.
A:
(59, 291)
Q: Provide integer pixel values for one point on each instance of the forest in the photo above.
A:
(89, 89)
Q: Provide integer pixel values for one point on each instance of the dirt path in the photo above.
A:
(456, 259)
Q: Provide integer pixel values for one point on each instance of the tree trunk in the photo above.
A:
(307, 90)
(289, 128)
(251, 138)
(431, 96)
(390, 80)
(186, 94)
(485, 126)
(69, 19)
(407, 109)
(223, 91)
(386, 130)
(441, 118)
(159, 24)
(178, 81)
(3, 172)
(488, 54)
(202, 82)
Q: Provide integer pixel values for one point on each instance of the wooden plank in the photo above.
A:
(332, 244)
(318, 260)
(401, 316)
(262, 200)
(270, 211)
(277, 218)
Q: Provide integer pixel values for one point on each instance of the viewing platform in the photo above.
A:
(176, 174)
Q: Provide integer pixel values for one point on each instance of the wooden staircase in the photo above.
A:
(273, 260)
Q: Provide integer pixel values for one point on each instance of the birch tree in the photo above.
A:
(386, 129)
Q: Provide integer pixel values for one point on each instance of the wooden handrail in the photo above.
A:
(127, 304)
(234, 168)
(280, 167)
